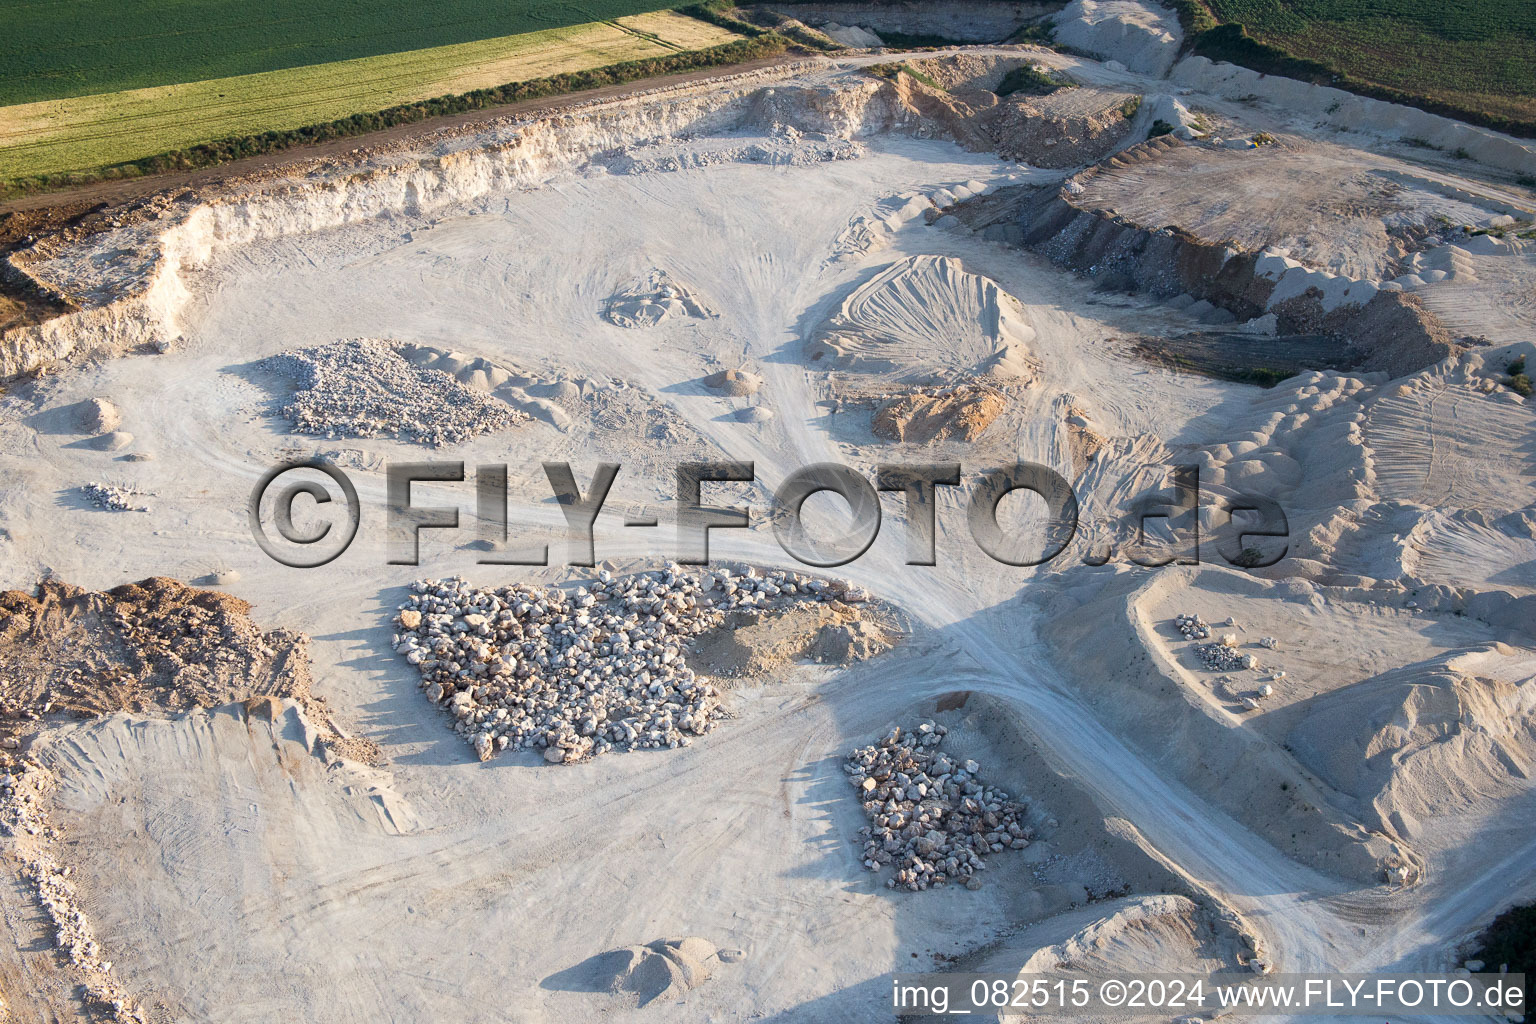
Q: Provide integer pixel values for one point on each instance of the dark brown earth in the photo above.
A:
(152, 647)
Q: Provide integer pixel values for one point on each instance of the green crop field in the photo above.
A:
(1473, 56)
(52, 49)
(46, 143)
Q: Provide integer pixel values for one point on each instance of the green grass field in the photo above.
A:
(1475, 56)
(77, 138)
(52, 49)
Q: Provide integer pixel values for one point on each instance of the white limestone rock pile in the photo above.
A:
(931, 816)
(1193, 627)
(1139, 36)
(112, 497)
(584, 671)
(367, 388)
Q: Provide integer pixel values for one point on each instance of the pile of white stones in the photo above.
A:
(1193, 627)
(366, 388)
(931, 816)
(583, 671)
(112, 497)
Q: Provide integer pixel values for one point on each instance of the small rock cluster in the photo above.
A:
(930, 815)
(366, 388)
(1193, 627)
(1225, 657)
(581, 672)
(112, 497)
(22, 818)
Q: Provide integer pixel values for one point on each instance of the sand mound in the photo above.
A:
(1136, 934)
(736, 383)
(749, 645)
(115, 441)
(1145, 933)
(149, 647)
(842, 643)
(653, 300)
(666, 967)
(961, 414)
(97, 416)
(475, 371)
(1431, 739)
(852, 36)
(1437, 441)
(1467, 548)
(927, 318)
(538, 408)
(367, 388)
(1144, 37)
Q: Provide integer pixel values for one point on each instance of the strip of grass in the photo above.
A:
(52, 49)
(256, 144)
(1470, 59)
(57, 136)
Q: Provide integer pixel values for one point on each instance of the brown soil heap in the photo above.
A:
(152, 646)
(755, 645)
(962, 413)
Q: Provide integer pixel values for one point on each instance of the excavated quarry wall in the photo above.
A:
(135, 303)
(1392, 331)
(128, 282)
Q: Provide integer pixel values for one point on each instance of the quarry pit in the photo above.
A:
(444, 790)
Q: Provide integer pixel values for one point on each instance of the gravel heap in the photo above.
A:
(365, 388)
(581, 672)
(112, 497)
(1224, 656)
(98, 416)
(930, 815)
